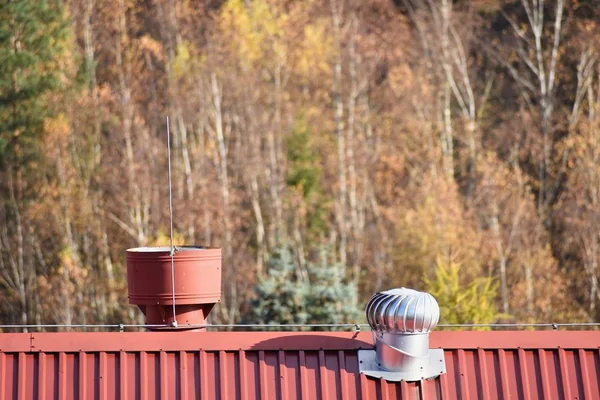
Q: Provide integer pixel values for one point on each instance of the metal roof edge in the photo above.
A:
(233, 341)
(515, 339)
(181, 341)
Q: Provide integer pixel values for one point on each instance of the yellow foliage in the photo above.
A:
(185, 61)
(316, 51)
(471, 303)
(181, 59)
(58, 125)
(164, 239)
(57, 131)
(255, 32)
(437, 225)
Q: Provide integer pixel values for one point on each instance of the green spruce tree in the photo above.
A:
(283, 297)
(32, 39)
(280, 297)
(331, 300)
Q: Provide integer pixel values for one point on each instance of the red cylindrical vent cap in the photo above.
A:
(197, 274)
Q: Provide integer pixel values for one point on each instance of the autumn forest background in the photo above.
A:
(332, 148)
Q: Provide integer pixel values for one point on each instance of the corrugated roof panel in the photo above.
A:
(265, 372)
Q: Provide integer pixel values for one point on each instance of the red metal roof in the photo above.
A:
(290, 365)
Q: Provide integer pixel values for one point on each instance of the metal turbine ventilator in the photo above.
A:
(401, 320)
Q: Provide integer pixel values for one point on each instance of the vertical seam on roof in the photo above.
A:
(41, 395)
(524, 375)
(585, 374)
(203, 371)
(321, 376)
(243, 374)
(262, 376)
(564, 373)
(123, 383)
(22, 375)
(544, 374)
(344, 388)
(504, 386)
(302, 375)
(223, 376)
(598, 369)
(462, 369)
(422, 390)
(404, 390)
(282, 376)
(143, 375)
(364, 393)
(383, 388)
(483, 372)
(183, 375)
(81, 370)
(62, 376)
(102, 372)
(162, 371)
(444, 390)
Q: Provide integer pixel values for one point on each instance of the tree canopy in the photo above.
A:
(392, 133)
(32, 39)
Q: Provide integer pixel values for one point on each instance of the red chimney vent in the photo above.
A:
(197, 273)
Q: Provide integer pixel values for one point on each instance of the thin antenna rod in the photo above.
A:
(172, 253)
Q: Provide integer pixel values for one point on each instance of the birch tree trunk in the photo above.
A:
(350, 159)
(127, 106)
(229, 303)
(72, 247)
(341, 208)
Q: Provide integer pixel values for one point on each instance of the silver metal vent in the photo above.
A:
(403, 311)
(401, 320)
